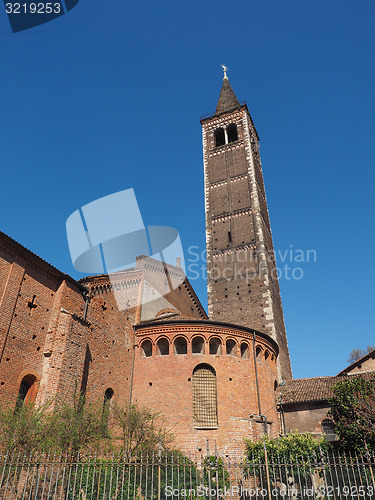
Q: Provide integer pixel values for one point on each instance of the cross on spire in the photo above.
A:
(225, 69)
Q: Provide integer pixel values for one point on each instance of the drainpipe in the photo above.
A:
(263, 417)
(256, 373)
(132, 375)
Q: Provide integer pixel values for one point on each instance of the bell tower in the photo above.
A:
(242, 280)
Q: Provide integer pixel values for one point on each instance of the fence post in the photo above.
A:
(267, 469)
(159, 472)
(370, 466)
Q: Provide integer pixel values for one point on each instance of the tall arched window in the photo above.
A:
(146, 347)
(219, 137)
(180, 345)
(108, 395)
(231, 347)
(197, 345)
(215, 346)
(244, 350)
(27, 391)
(163, 347)
(232, 132)
(204, 396)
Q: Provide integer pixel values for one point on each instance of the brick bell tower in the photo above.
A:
(242, 280)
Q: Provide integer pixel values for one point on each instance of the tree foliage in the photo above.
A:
(141, 430)
(71, 425)
(353, 412)
(294, 447)
(357, 354)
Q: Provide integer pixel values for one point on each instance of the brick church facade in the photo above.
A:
(214, 378)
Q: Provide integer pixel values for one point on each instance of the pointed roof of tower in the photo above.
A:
(227, 99)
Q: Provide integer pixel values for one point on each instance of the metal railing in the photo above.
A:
(172, 475)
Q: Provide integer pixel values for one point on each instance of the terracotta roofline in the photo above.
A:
(358, 362)
(210, 323)
(31, 256)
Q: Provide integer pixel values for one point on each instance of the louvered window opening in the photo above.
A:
(204, 397)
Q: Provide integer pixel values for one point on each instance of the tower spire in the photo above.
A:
(227, 99)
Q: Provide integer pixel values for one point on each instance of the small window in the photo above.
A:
(232, 132)
(231, 347)
(244, 350)
(215, 346)
(328, 427)
(27, 391)
(163, 347)
(266, 355)
(197, 345)
(258, 350)
(204, 396)
(106, 409)
(146, 348)
(180, 345)
(219, 137)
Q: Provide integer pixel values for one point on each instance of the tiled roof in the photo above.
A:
(305, 390)
(364, 358)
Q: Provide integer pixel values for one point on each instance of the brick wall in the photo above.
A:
(164, 383)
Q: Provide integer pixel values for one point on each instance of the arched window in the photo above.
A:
(204, 396)
(244, 350)
(266, 355)
(106, 409)
(163, 347)
(180, 345)
(232, 132)
(146, 347)
(197, 345)
(27, 391)
(328, 427)
(231, 347)
(215, 346)
(219, 137)
(258, 350)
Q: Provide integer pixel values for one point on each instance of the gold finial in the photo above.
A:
(225, 69)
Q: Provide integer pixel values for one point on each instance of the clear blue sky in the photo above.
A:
(109, 97)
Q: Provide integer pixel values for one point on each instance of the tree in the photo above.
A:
(353, 412)
(22, 429)
(141, 429)
(357, 354)
(74, 425)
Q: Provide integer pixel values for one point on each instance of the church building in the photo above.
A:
(214, 378)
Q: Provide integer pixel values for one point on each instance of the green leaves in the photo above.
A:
(353, 412)
(295, 447)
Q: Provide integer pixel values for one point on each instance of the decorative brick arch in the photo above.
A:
(231, 346)
(162, 345)
(215, 345)
(180, 345)
(28, 385)
(145, 352)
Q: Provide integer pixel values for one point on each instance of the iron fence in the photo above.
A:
(174, 476)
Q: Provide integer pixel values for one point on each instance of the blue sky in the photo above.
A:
(109, 96)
